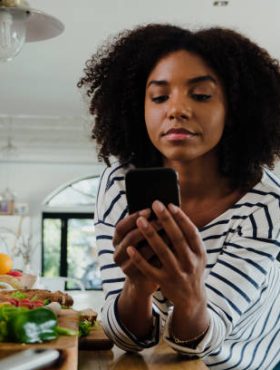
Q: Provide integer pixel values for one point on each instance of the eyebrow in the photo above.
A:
(191, 81)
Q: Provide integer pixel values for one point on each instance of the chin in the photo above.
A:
(180, 156)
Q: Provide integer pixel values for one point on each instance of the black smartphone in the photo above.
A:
(144, 185)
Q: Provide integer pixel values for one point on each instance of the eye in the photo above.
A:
(201, 97)
(159, 99)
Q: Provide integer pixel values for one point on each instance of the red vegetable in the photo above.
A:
(14, 302)
(15, 273)
(37, 304)
(25, 303)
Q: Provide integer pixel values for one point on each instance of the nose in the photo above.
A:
(179, 109)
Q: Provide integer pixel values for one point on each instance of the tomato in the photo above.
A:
(15, 273)
(6, 263)
(37, 304)
(25, 303)
(14, 302)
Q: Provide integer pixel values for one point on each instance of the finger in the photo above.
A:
(173, 232)
(133, 237)
(129, 268)
(150, 272)
(189, 230)
(160, 248)
(136, 239)
(127, 224)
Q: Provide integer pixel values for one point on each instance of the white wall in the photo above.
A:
(33, 182)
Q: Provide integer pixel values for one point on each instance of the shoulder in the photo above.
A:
(111, 196)
(112, 175)
(257, 212)
(267, 191)
(271, 182)
(260, 209)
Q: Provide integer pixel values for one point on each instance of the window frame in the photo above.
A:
(64, 217)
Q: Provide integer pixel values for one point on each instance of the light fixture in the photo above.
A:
(220, 3)
(19, 24)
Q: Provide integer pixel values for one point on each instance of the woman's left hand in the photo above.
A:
(181, 275)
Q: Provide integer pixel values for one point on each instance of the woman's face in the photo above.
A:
(185, 107)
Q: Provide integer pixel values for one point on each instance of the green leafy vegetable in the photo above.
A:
(65, 331)
(20, 324)
(85, 327)
(33, 326)
(19, 295)
(7, 312)
(3, 331)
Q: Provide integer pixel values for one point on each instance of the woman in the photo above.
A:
(206, 104)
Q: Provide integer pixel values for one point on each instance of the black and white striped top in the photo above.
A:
(242, 278)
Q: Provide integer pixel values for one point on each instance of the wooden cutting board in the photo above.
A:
(96, 340)
(67, 345)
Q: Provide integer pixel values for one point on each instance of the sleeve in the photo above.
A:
(239, 278)
(111, 206)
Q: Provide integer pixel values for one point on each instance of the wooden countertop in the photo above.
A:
(160, 357)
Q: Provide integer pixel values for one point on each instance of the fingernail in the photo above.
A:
(130, 251)
(145, 212)
(173, 208)
(158, 206)
(143, 222)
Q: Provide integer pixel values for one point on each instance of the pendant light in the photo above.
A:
(19, 23)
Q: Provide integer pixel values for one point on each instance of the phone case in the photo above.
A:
(144, 185)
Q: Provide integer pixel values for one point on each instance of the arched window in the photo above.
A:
(69, 244)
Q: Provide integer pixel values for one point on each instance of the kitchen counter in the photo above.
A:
(160, 357)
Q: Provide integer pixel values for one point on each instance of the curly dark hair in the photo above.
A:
(115, 79)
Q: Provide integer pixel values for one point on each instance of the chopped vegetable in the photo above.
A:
(20, 324)
(65, 331)
(37, 304)
(6, 303)
(15, 273)
(18, 295)
(32, 326)
(3, 330)
(85, 327)
(25, 302)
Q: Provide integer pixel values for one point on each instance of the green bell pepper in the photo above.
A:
(33, 326)
(3, 331)
(22, 325)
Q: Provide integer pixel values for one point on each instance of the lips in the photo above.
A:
(179, 131)
(178, 134)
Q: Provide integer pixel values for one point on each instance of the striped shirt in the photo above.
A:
(242, 278)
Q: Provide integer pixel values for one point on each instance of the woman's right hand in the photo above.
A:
(127, 234)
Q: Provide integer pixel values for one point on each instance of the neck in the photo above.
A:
(200, 180)
(205, 193)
